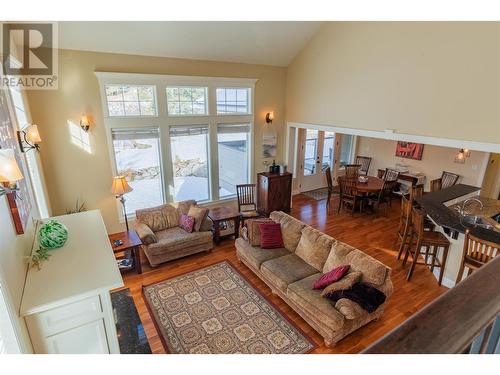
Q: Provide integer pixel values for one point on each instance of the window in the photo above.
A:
(131, 100)
(311, 152)
(232, 100)
(328, 148)
(232, 145)
(346, 149)
(189, 148)
(36, 176)
(186, 101)
(137, 157)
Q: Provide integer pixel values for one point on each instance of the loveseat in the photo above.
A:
(291, 271)
(162, 238)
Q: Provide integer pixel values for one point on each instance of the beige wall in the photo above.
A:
(435, 160)
(72, 173)
(491, 182)
(439, 79)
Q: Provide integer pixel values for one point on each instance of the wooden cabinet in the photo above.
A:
(274, 192)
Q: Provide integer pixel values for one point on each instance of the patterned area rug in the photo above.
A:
(216, 310)
(318, 194)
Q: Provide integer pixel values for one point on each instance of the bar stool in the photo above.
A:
(431, 241)
(476, 253)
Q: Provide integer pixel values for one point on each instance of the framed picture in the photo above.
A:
(269, 145)
(409, 150)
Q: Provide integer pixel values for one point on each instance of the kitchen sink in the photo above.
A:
(473, 221)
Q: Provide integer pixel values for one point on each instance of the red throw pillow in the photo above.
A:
(187, 223)
(330, 277)
(270, 236)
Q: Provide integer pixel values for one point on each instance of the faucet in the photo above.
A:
(462, 210)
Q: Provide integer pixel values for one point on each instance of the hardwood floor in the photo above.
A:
(375, 235)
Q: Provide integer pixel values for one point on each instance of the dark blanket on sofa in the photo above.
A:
(365, 295)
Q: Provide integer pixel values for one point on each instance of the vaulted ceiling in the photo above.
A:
(269, 43)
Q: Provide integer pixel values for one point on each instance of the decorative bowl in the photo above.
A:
(52, 235)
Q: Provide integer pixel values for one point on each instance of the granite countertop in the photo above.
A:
(449, 218)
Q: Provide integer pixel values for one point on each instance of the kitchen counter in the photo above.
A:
(440, 207)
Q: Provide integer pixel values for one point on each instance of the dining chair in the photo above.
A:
(446, 180)
(365, 162)
(247, 204)
(349, 194)
(391, 174)
(331, 188)
(426, 243)
(383, 197)
(476, 253)
(416, 191)
(352, 170)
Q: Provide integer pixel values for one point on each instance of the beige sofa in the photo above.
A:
(291, 271)
(163, 240)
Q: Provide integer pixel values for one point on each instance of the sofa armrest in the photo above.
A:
(145, 233)
(207, 225)
(350, 309)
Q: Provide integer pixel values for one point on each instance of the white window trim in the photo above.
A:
(163, 122)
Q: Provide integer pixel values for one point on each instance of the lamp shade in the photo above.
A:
(9, 170)
(32, 134)
(120, 186)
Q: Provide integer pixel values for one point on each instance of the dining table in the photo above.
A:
(373, 185)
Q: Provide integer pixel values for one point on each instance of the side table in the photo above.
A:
(219, 216)
(130, 242)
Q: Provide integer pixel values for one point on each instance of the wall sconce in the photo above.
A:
(29, 139)
(9, 171)
(85, 123)
(270, 117)
(461, 155)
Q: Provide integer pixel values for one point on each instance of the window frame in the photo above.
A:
(249, 102)
(163, 121)
(184, 87)
(155, 94)
(115, 167)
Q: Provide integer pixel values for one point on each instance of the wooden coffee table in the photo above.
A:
(132, 242)
(220, 215)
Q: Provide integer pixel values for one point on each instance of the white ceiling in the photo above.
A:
(270, 43)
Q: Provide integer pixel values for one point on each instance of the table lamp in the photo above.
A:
(9, 171)
(119, 188)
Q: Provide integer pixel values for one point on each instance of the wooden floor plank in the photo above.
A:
(375, 235)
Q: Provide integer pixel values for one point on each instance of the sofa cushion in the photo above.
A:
(314, 247)
(310, 300)
(285, 270)
(255, 255)
(270, 236)
(177, 238)
(153, 217)
(372, 270)
(291, 229)
(337, 256)
(345, 283)
(145, 233)
(199, 214)
(184, 206)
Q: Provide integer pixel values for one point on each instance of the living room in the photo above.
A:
(305, 187)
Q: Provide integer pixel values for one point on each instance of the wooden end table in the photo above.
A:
(224, 214)
(132, 242)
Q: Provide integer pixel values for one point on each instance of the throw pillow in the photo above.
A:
(347, 282)
(199, 214)
(187, 223)
(145, 233)
(270, 236)
(330, 277)
(253, 230)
